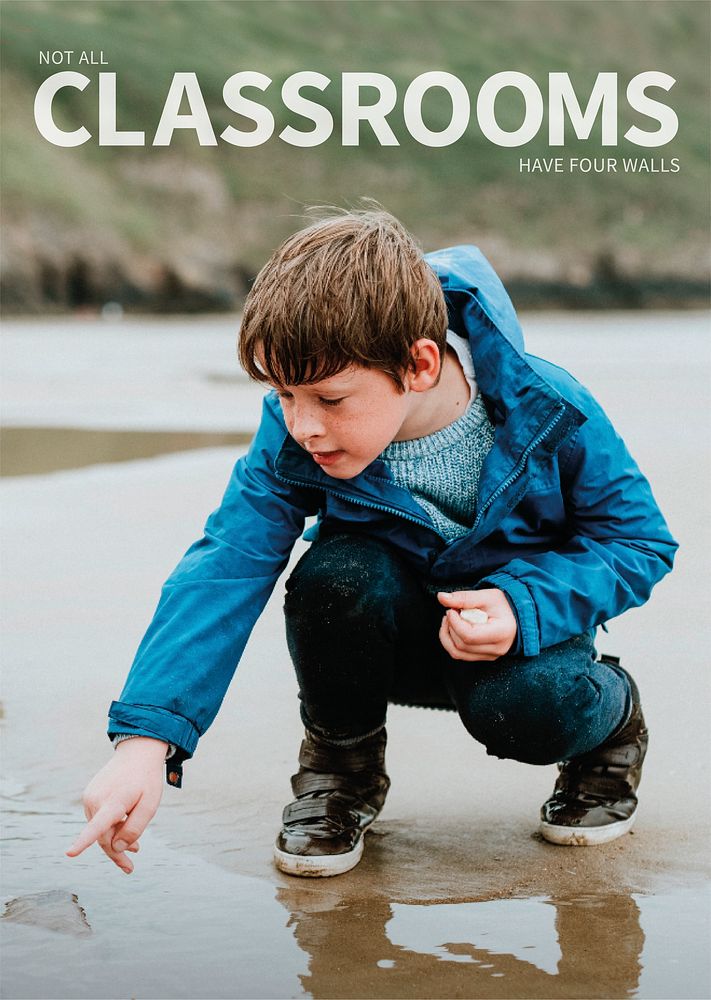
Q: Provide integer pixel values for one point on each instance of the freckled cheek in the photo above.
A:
(375, 433)
(346, 434)
(365, 434)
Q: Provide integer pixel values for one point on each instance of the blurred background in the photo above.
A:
(184, 228)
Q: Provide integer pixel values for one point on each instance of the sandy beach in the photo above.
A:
(456, 895)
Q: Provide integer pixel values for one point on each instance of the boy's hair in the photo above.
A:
(352, 288)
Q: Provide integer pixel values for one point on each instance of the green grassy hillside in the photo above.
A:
(186, 225)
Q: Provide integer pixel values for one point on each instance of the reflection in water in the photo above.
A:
(33, 450)
(522, 928)
(587, 946)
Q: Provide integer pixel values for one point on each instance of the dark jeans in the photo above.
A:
(362, 631)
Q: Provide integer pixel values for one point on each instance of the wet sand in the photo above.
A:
(456, 895)
(27, 451)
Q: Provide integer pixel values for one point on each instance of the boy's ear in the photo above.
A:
(427, 362)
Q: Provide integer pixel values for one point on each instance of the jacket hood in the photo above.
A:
(480, 309)
(468, 278)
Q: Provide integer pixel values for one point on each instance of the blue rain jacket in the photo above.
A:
(566, 523)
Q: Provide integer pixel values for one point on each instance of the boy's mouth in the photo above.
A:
(326, 457)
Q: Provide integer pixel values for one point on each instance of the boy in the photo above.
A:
(450, 471)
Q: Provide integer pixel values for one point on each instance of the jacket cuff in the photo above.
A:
(518, 594)
(147, 720)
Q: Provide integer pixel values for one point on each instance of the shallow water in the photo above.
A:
(185, 928)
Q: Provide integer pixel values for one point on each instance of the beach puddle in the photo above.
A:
(182, 927)
(30, 451)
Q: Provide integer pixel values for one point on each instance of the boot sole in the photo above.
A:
(582, 836)
(318, 866)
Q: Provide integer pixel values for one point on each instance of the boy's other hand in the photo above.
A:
(121, 800)
(464, 641)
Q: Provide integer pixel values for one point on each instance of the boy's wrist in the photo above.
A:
(149, 742)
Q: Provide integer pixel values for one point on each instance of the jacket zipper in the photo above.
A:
(363, 503)
(519, 466)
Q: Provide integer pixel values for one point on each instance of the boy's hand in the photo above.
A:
(464, 641)
(121, 800)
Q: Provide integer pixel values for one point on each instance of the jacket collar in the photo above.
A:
(522, 402)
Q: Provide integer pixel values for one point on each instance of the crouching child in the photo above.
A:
(450, 473)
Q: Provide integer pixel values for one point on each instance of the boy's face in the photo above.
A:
(345, 421)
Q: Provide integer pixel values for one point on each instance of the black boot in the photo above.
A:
(594, 799)
(339, 793)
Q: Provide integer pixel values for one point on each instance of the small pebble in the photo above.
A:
(475, 616)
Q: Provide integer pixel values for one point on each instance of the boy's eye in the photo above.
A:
(322, 399)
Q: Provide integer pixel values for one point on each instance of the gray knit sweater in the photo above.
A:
(442, 470)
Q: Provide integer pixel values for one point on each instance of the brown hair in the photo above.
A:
(352, 288)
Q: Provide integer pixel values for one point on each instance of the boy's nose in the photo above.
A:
(306, 426)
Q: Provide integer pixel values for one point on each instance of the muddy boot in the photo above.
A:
(594, 799)
(339, 793)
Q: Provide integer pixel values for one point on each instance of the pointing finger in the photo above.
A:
(98, 825)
